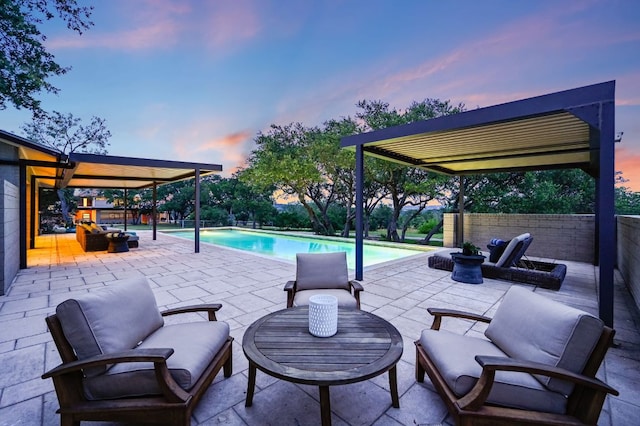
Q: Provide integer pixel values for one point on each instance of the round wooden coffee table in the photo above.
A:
(280, 345)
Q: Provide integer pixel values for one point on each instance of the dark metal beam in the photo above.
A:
(197, 212)
(142, 162)
(606, 212)
(359, 213)
(154, 210)
(32, 215)
(125, 210)
(460, 233)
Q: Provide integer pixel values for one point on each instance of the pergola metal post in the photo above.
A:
(460, 233)
(154, 210)
(359, 212)
(32, 216)
(125, 209)
(606, 212)
(197, 212)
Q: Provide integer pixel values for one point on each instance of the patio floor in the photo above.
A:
(249, 287)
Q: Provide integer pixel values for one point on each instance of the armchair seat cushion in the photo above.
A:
(345, 298)
(454, 357)
(556, 334)
(192, 354)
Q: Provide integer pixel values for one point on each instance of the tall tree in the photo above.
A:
(289, 158)
(25, 64)
(66, 134)
(406, 186)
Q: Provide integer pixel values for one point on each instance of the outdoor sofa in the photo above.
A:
(511, 266)
(93, 237)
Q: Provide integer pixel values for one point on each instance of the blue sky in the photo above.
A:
(197, 80)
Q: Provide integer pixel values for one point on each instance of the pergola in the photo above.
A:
(568, 129)
(43, 167)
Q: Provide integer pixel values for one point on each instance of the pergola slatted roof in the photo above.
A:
(568, 129)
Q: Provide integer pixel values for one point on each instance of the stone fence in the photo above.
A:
(628, 253)
(562, 237)
(555, 236)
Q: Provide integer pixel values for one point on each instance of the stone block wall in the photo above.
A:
(10, 235)
(628, 253)
(10, 215)
(555, 236)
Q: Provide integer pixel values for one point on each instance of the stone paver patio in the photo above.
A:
(249, 287)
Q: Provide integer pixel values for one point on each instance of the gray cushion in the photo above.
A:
(321, 270)
(454, 357)
(345, 298)
(195, 344)
(508, 252)
(111, 319)
(532, 327)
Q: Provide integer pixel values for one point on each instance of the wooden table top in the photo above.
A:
(364, 346)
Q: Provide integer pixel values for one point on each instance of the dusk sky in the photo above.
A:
(197, 80)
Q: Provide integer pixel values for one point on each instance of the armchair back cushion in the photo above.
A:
(531, 327)
(110, 320)
(322, 271)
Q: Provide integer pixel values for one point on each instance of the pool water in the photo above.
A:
(286, 246)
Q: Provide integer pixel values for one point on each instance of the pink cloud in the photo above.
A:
(230, 141)
(628, 161)
(230, 22)
(159, 34)
(158, 24)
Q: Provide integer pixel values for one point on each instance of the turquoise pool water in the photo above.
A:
(286, 247)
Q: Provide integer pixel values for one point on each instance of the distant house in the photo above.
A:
(95, 208)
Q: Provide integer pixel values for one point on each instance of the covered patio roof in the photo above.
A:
(49, 168)
(568, 129)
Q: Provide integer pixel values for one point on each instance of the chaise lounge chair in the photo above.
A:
(510, 265)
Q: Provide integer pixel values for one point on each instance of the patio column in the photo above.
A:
(125, 210)
(460, 233)
(359, 212)
(154, 210)
(197, 212)
(32, 215)
(605, 186)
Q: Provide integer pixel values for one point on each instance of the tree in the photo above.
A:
(64, 133)
(405, 186)
(627, 201)
(25, 64)
(290, 158)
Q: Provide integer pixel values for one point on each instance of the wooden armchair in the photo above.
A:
(323, 273)
(520, 375)
(134, 368)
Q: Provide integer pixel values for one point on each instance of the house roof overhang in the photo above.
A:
(56, 170)
(558, 130)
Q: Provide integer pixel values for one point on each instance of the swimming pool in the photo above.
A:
(286, 246)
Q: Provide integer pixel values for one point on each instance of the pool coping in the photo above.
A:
(420, 250)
